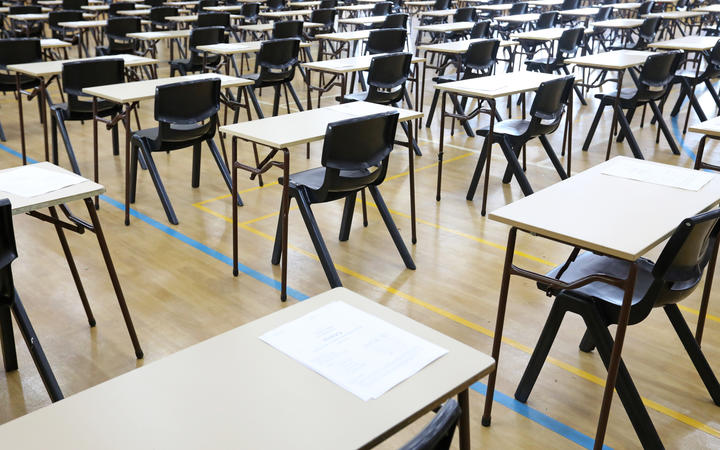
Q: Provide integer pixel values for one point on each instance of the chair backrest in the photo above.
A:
(381, 9)
(119, 6)
(213, 19)
(324, 16)
(465, 15)
(681, 263)
(657, 74)
(713, 68)
(645, 8)
(276, 5)
(77, 75)
(119, 27)
(386, 40)
(19, 51)
(154, 3)
(192, 104)
(358, 144)
(481, 30)
(570, 4)
(386, 78)
(546, 20)
(604, 13)
(250, 11)
(569, 43)
(548, 106)
(287, 29)
(518, 8)
(205, 36)
(56, 17)
(438, 434)
(399, 20)
(8, 251)
(326, 4)
(200, 7)
(480, 57)
(25, 9)
(74, 4)
(441, 4)
(277, 59)
(159, 13)
(648, 30)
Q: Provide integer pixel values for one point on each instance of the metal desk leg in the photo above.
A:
(464, 422)
(488, 143)
(234, 207)
(411, 174)
(440, 145)
(284, 210)
(22, 120)
(691, 94)
(613, 124)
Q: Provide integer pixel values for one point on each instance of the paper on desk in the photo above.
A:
(31, 181)
(359, 352)
(662, 174)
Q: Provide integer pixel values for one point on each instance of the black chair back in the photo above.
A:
(399, 20)
(518, 8)
(213, 19)
(276, 5)
(481, 30)
(250, 11)
(569, 43)
(57, 17)
(326, 17)
(25, 9)
(386, 78)
(441, 5)
(326, 4)
(78, 75)
(386, 40)
(352, 147)
(277, 60)
(116, 31)
(438, 434)
(713, 68)
(465, 15)
(154, 3)
(381, 9)
(8, 251)
(647, 32)
(119, 6)
(205, 36)
(288, 29)
(159, 13)
(548, 106)
(657, 75)
(645, 8)
(547, 20)
(19, 51)
(200, 7)
(480, 58)
(570, 4)
(604, 13)
(74, 4)
(181, 108)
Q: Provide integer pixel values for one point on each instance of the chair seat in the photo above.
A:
(311, 181)
(626, 94)
(445, 78)
(509, 127)
(8, 82)
(184, 141)
(354, 97)
(541, 61)
(84, 112)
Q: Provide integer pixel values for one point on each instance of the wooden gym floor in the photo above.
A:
(180, 288)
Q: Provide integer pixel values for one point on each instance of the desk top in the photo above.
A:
(613, 223)
(625, 6)
(282, 14)
(214, 395)
(29, 17)
(456, 47)
(236, 48)
(68, 194)
(158, 35)
(134, 12)
(306, 126)
(545, 2)
(437, 13)
(708, 8)
(501, 7)
(362, 20)
(348, 65)
(355, 7)
(496, 86)
(420, 3)
(267, 27)
(345, 36)
(546, 34)
(675, 15)
(145, 89)
(182, 19)
(53, 43)
(579, 12)
(443, 27)
(710, 127)
(687, 43)
(223, 8)
(612, 60)
(84, 24)
(618, 23)
(49, 68)
(518, 18)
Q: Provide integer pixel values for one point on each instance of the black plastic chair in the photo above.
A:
(646, 35)
(154, 3)
(25, 29)
(461, 15)
(505, 29)
(661, 284)
(116, 32)
(652, 85)
(387, 40)
(202, 4)
(567, 47)
(439, 5)
(395, 20)
(546, 112)
(74, 4)
(276, 5)
(327, 4)
(10, 305)
(481, 29)
(76, 76)
(18, 51)
(381, 9)
(187, 115)
(199, 60)
(213, 19)
(277, 60)
(57, 32)
(288, 29)
(645, 8)
(604, 13)
(158, 21)
(113, 8)
(355, 156)
(250, 13)
(568, 4)
(478, 61)
(438, 434)
(688, 80)
(546, 20)
(325, 17)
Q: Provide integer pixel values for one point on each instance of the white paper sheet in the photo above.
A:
(355, 350)
(662, 174)
(31, 181)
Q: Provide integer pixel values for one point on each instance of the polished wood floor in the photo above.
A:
(180, 287)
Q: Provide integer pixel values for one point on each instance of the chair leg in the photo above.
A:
(478, 171)
(133, 171)
(625, 128)
(630, 115)
(159, 187)
(553, 157)
(2, 134)
(317, 240)
(276, 101)
(459, 110)
(295, 96)
(415, 147)
(348, 212)
(66, 140)
(593, 126)
(36, 351)
(680, 100)
(256, 104)
(431, 111)
(587, 343)
(694, 351)
(539, 354)
(116, 139)
(224, 171)
(663, 126)
(196, 157)
(54, 138)
(390, 224)
(277, 244)
(7, 339)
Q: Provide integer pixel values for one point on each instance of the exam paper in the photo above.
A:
(357, 351)
(662, 174)
(31, 181)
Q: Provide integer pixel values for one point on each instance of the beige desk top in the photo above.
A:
(362, 20)
(625, 6)
(420, 3)
(145, 89)
(545, 2)
(49, 68)
(708, 9)
(84, 24)
(688, 43)
(619, 23)
(456, 47)
(612, 60)
(443, 27)
(437, 13)
(502, 7)
(614, 223)
(134, 12)
(309, 4)
(50, 2)
(215, 395)
(355, 7)
(267, 27)
(29, 17)
(306, 126)
(182, 19)
(236, 48)
(547, 34)
(283, 14)
(53, 43)
(225, 8)
(183, 3)
(347, 65)
(710, 127)
(346, 36)
(518, 18)
(95, 7)
(21, 205)
(159, 35)
(496, 86)
(675, 15)
(580, 12)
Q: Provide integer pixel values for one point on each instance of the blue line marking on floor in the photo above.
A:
(680, 138)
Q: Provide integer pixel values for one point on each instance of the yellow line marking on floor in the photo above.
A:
(420, 169)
